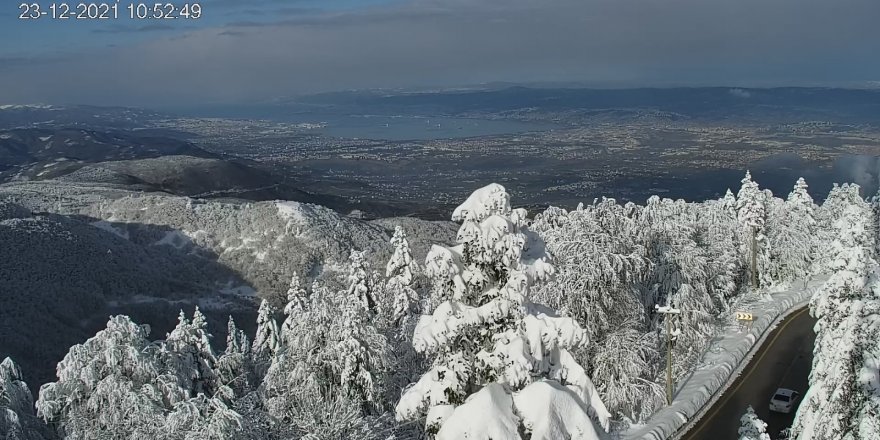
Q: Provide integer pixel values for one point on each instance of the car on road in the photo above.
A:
(783, 400)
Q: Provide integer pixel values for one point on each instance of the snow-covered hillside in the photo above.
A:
(512, 327)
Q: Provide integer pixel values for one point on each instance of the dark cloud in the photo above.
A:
(450, 42)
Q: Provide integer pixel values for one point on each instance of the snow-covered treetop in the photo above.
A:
(750, 207)
(491, 344)
(751, 427)
(728, 202)
(799, 194)
(361, 286)
(296, 296)
(488, 200)
(400, 264)
(267, 339)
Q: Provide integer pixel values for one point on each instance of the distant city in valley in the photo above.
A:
(418, 153)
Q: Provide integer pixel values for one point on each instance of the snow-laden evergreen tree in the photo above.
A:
(332, 359)
(114, 385)
(17, 418)
(400, 274)
(502, 366)
(720, 233)
(297, 301)
(752, 427)
(601, 267)
(791, 233)
(728, 203)
(752, 214)
(842, 200)
(206, 418)
(267, 340)
(234, 366)
(843, 401)
(680, 277)
(187, 350)
(362, 285)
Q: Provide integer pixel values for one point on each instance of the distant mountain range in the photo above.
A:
(791, 103)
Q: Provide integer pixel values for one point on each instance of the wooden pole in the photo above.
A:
(754, 252)
(668, 312)
(668, 360)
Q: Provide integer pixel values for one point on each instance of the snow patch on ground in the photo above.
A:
(241, 290)
(292, 211)
(107, 226)
(175, 239)
(25, 106)
(723, 362)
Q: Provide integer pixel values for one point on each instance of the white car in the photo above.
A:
(783, 400)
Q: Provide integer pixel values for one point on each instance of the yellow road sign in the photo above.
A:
(742, 316)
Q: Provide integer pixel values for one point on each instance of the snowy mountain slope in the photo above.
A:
(267, 242)
(148, 255)
(60, 277)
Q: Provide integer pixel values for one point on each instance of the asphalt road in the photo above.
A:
(783, 362)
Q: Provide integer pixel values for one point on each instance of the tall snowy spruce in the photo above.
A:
(843, 401)
(752, 427)
(267, 340)
(752, 214)
(400, 274)
(792, 234)
(187, 350)
(501, 364)
(327, 377)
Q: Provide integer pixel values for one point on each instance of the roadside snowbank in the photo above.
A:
(723, 362)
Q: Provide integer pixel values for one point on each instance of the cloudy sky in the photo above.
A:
(256, 50)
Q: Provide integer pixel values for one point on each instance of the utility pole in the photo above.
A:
(754, 255)
(668, 311)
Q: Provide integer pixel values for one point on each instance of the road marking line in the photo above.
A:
(742, 379)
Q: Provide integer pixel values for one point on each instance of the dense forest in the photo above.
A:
(542, 327)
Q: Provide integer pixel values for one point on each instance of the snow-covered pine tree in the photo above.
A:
(679, 277)
(206, 418)
(752, 214)
(361, 283)
(400, 273)
(297, 301)
(361, 354)
(728, 203)
(791, 234)
(600, 270)
(114, 385)
(502, 365)
(332, 358)
(752, 427)
(187, 351)
(17, 418)
(843, 400)
(234, 367)
(267, 339)
(720, 233)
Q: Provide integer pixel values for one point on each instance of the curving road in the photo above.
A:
(783, 361)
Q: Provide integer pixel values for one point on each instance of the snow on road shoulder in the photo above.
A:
(723, 362)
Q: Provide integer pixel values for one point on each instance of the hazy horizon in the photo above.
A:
(267, 49)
